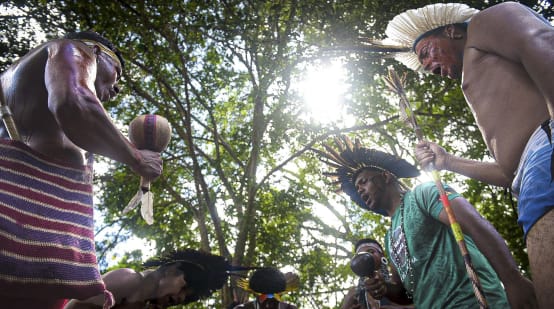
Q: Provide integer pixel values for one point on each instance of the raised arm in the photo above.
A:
(487, 172)
(70, 75)
(517, 33)
(519, 290)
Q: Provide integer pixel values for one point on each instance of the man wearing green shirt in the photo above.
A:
(423, 251)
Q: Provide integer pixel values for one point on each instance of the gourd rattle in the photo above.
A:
(151, 132)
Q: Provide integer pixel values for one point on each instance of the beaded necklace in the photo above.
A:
(402, 236)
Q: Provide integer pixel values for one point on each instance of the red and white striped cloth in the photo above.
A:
(46, 227)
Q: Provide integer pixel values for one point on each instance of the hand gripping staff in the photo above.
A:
(150, 132)
(396, 85)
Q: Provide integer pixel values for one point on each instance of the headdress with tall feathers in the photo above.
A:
(269, 281)
(351, 158)
(406, 28)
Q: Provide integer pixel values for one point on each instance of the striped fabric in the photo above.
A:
(46, 227)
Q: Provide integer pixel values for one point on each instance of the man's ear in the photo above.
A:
(387, 177)
(452, 32)
(97, 51)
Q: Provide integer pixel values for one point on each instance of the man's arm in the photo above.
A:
(69, 77)
(393, 290)
(123, 283)
(350, 301)
(487, 172)
(519, 290)
(515, 32)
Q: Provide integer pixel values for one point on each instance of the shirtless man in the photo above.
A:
(55, 93)
(182, 277)
(505, 55)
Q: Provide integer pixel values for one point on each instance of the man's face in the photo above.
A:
(441, 55)
(172, 288)
(372, 249)
(367, 259)
(108, 72)
(367, 188)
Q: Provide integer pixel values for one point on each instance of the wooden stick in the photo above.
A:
(396, 84)
(7, 118)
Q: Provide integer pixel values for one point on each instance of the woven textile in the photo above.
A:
(46, 227)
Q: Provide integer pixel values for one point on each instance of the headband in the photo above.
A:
(103, 48)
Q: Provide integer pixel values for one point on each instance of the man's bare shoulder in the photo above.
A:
(502, 29)
(500, 10)
(506, 14)
(40, 52)
(68, 44)
(123, 275)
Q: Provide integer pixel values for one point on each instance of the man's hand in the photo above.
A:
(351, 300)
(375, 285)
(149, 165)
(430, 153)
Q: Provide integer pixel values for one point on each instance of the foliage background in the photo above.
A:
(239, 179)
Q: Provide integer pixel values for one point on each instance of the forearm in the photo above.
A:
(486, 238)
(487, 172)
(76, 304)
(89, 127)
(494, 248)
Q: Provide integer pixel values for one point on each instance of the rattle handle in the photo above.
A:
(144, 185)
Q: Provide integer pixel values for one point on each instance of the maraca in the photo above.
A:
(150, 132)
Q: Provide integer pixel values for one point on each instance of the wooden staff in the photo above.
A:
(396, 85)
(7, 118)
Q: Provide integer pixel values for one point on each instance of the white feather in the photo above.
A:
(133, 202)
(147, 207)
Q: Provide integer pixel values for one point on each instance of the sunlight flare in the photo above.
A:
(323, 90)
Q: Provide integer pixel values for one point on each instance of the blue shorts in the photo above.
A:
(532, 183)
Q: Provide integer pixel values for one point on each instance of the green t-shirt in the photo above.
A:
(437, 267)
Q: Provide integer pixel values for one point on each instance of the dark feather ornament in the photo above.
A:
(349, 159)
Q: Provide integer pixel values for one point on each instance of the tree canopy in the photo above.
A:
(239, 177)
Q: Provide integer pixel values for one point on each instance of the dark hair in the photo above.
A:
(367, 241)
(91, 35)
(204, 272)
(438, 31)
(268, 280)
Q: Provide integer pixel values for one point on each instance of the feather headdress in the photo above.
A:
(351, 158)
(269, 281)
(406, 28)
